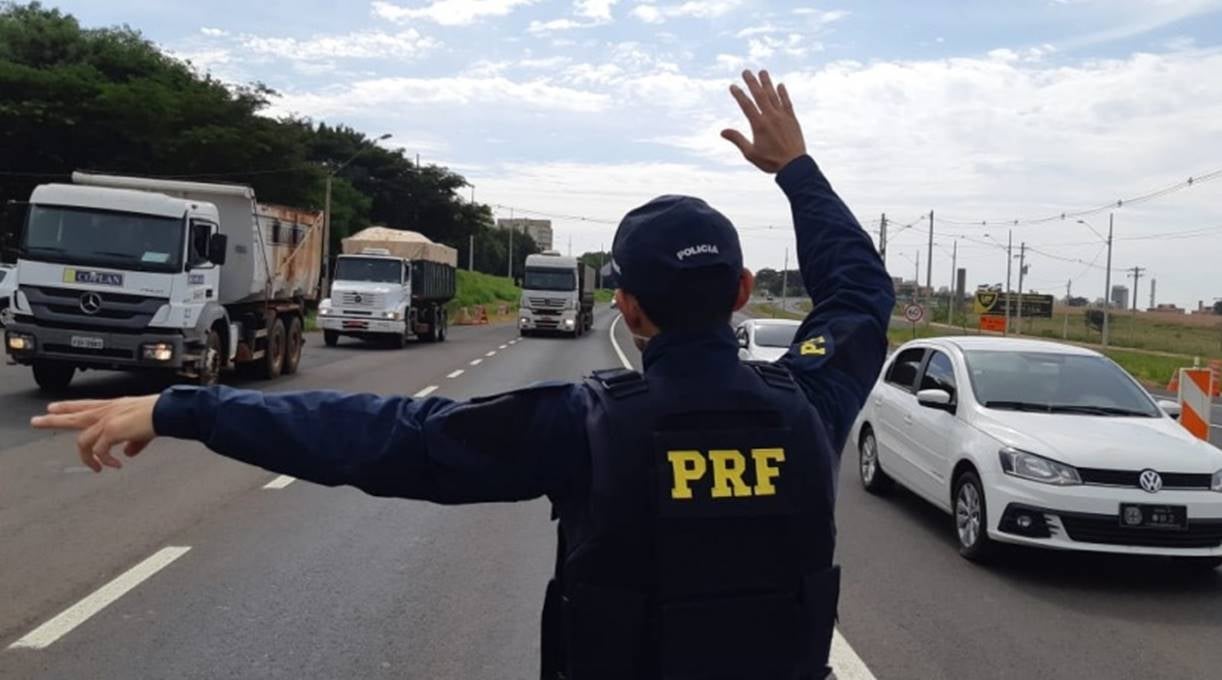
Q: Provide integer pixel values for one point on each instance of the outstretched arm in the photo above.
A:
(841, 345)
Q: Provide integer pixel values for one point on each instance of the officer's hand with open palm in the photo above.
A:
(776, 136)
(102, 425)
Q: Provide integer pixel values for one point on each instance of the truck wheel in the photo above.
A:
(53, 376)
(330, 338)
(443, 326)
(210, 366)
(293, 345)
(431, 336)
(399, 341)
(273, 355)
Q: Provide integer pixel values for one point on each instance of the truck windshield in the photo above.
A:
(549, 279)
(105, 238)
(375, 270)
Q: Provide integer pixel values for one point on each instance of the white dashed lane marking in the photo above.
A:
(490, 353)
(475, 362)
(280, 482)
(455, 374)
(425, 392)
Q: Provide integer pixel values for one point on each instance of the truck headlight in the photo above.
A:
(1025, 465)
(157, 351)
(393, 316)
(568, 323)
(1216, 484)
(20, 342)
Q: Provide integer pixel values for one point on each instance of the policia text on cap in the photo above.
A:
(695, 501)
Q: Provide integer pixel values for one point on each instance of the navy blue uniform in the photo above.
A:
(532, 442)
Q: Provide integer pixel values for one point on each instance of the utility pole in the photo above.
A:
(417, 201)
(1009, 261)
(1107, 279)
(882, 239)
(929, 261)
(471, 253)
(1022, 270)
(916, 278)
(472, 194)
(511, 230)
(954, 285)
(784, 278)
(1153, 287)
(1068, 296)
(1135, 274)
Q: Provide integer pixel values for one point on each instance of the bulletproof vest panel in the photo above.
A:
(703, 546)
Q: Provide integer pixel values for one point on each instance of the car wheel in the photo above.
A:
(53, 377)
(972, 518)
(330, 338)
(873, 479)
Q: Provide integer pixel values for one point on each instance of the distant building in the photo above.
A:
(539, 230)
(1166, 307)
(1120, 296)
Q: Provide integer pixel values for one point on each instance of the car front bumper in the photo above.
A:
(1088, 518)
(361, 324)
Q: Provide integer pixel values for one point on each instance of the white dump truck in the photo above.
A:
(557, 295)
(390, 285)
(179, 278)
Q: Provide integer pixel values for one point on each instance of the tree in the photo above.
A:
(1218, 306)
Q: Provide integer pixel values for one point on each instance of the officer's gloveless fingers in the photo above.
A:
(77, 405)
(84, 446)
(769, 91)
(757, 92)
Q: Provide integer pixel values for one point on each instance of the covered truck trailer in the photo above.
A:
(144, 274)
(389, 285)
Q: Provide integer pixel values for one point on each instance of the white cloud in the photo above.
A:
(541, 27)
(213, 32)
(821, 16)
(693, 9)
(730, 62)
(448, 12)
(366, 45)
(599, 10)
(758, 30)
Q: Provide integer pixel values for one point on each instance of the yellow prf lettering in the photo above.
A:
(765, 472)
(688, 466)
(728, 469)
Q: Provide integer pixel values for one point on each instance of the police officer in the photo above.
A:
(695, 501)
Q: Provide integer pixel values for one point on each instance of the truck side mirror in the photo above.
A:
(218, 247)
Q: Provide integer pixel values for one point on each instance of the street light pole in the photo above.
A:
(325, 280)
(1009, 261)
(1107, 279)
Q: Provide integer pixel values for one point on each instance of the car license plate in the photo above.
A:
(1143, 516)
(86, 342)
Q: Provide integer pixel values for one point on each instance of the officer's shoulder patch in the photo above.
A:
(773, 374)
(620, 382)
(816, 346)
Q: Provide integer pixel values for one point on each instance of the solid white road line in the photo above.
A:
(615, 344)
(280, 482)
(475, 362)
(425, 392)
(455, 374)
(63, 623)
(491, 353)
(844, 661)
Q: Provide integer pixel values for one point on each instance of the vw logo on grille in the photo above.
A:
(91, 303)
(1151, 481)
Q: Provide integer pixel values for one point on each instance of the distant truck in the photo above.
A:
(183, 279)
(557, 295)
(389, 285)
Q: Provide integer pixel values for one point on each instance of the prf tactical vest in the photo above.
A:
(702, 548)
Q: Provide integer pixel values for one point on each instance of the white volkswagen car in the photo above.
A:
(1041, 444)
(765, 339)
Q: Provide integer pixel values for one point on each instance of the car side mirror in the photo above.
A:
(1171, 408)
(742, 342)
(939, 399)
(218, 245)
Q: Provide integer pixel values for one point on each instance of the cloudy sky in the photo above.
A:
(995, 111)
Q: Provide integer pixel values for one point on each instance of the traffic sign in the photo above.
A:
(914, 313)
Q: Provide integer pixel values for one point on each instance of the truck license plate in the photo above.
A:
(86, 342)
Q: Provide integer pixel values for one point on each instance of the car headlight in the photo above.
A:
(1025, 465)
(1216, 484)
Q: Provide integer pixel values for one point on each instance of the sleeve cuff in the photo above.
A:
(174, 415)
(796, 173)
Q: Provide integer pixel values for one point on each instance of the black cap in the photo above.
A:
(662, 243)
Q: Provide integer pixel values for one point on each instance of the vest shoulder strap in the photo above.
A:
(620, 383)
(774, 375)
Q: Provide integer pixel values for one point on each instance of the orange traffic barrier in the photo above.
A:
(1215, 367)
(1196, 391)
(483, 315)
(1173, 385)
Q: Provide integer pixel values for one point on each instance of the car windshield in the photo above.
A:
(1051, 382)
(549, 279)
(369, 269)
(104, 238)
(774, 335)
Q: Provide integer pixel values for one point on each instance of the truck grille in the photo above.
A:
(1129, 478)
(116, 311)
(367, 300)
(546, 303)
(1107, 529)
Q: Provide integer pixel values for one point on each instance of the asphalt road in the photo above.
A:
(219, 577)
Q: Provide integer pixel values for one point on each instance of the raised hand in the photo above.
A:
(103, 424)
(776, 136)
